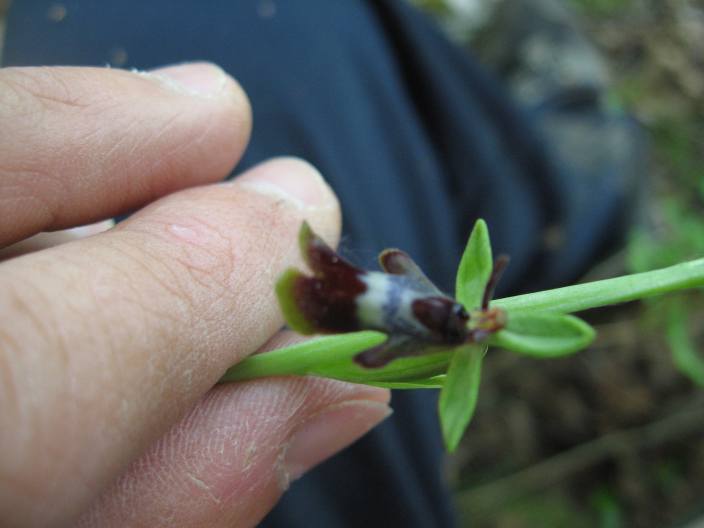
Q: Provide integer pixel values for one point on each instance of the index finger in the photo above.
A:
(82, 144)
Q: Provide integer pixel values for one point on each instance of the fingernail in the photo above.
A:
(91, 229)
(197, 78)
(328, 432)
(291, 179)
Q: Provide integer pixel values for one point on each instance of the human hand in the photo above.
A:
(110, 345)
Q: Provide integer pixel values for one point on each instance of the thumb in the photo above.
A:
(228, 462)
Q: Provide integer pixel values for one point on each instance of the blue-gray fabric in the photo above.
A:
(417, 140)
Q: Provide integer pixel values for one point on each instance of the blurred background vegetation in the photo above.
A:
(614, 436)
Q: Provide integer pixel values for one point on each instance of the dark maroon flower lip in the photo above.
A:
(401, 301)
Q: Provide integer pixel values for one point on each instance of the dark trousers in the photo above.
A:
(416, 139)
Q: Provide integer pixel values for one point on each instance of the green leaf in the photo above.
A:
(300, 358)
(405, 369)
(458, 397)
(333, 357)
(475, 267)
(543, 335)
(684, 354)
(435, 382)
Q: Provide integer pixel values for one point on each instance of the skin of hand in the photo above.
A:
(111, 344)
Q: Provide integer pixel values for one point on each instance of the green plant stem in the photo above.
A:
(609, 291)
(302, 358)
(331, 356)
